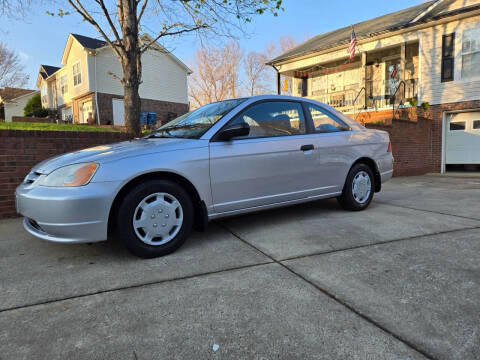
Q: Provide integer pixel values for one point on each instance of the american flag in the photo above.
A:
(353, 45)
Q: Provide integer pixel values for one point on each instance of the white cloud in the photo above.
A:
(23, 56)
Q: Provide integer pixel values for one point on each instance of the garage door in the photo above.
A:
(462, 138)
(118, 112)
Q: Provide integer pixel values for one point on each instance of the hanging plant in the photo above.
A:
(333, 87)
(425, 106)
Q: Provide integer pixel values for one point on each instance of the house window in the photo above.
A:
(448, 49)
(64, 84)
(77, 76)
(471, 53)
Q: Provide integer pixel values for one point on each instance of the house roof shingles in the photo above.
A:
(368, 28)
(88, 42)
(9, 93)
(49, 70)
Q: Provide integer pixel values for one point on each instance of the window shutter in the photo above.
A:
(448, 53)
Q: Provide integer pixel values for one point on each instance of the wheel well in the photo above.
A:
(201, 216)
(373, 166)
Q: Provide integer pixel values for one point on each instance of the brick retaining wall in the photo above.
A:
(30, 119)
(412, 145)
(20, 150)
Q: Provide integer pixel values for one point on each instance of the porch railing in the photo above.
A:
(373, 96)
(359, 102)
(398, 98)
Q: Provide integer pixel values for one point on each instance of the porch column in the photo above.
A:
(363, 80)
(279, 89)
(402, 61)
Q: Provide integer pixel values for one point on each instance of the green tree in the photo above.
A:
(34, 107)
(131, 27)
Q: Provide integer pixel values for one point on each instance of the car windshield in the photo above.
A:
(195, 123)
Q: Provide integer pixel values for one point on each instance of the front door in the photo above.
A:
(86, 110)
(274, 163)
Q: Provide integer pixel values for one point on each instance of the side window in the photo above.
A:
(275, 118)
(324, 123)
(448, 53)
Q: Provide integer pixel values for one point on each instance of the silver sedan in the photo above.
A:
(226, 158)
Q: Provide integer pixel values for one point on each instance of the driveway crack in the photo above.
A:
(332, 296)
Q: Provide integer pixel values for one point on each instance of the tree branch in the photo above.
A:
(115, 77)
(86, 16)
(142, 10)
(166, 33)
(110, 22)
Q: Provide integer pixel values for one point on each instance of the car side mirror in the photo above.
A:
(234, 130)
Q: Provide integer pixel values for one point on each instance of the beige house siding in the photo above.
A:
(76, 55)
(163, 79)
(432, 90)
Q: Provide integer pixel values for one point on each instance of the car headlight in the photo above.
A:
(70, 175)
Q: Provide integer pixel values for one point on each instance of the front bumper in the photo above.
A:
(66, 215)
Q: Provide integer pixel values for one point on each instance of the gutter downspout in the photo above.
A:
(97, 108)
(278, 80)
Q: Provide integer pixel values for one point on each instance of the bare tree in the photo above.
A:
(260, 78)
(273, 50)
(120, 26)
(215, 74)
(257, 74)
(11, 69)
(14, 8)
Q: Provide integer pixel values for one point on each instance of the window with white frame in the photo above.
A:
(471, 53)
(77, 76)
(64, 84)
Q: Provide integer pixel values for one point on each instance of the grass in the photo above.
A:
(52, 127)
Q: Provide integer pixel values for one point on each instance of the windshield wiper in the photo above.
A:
(158, 135)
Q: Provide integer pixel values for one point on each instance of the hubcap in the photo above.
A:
(158, 218)
(361, 187)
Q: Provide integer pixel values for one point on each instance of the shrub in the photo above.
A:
(34, 107)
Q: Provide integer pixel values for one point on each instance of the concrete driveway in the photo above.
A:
(398, 281)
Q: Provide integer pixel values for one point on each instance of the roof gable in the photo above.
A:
(85, 42)
(88, 42)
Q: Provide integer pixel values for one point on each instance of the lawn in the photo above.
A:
(52, 127)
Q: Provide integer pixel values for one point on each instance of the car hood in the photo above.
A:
(111, 152)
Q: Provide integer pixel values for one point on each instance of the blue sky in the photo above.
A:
(41, 38)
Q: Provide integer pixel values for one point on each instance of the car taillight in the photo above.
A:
(389, 149)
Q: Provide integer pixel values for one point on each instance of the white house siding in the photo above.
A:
(342, 52)
(163, 79)
(432, 90)
(15, 108)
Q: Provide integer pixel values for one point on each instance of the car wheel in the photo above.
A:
(359, 188)
(155, 218)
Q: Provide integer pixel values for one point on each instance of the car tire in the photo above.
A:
(154, 218)
(358, 189)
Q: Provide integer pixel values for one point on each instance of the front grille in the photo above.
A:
(35, 225)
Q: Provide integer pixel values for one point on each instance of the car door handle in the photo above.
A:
(307, 147)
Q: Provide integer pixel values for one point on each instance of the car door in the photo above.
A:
(333, 141)
(273, 164)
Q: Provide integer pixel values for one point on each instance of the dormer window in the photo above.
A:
(77, 75)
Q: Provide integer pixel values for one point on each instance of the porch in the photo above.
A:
(379, 79)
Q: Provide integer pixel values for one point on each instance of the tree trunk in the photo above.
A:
(131, 103)
(131, 64)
